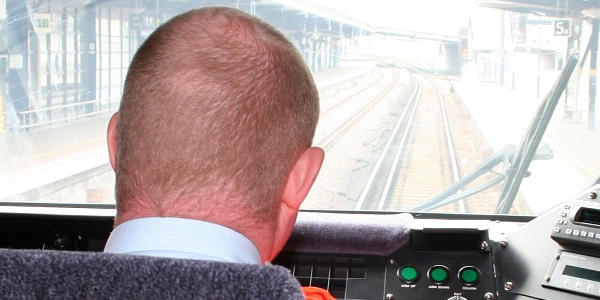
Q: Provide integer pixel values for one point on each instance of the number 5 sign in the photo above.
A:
(562, 27)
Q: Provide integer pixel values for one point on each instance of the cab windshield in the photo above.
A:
(461, 106)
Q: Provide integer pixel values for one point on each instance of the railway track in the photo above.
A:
(406, 160)
(330, 104)
(375, 186)
(428, 164)
(350, 110)
(418, 160)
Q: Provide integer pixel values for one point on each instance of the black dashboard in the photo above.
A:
(554, 256)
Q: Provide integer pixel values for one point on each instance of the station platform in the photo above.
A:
(37, 158)
(503, 113)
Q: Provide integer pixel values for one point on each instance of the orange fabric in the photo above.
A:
(315, 293)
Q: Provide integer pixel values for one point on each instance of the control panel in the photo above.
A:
(576, 265)
(442, 264)
(554, 256)
(439, 274)
(578, 224)
(438, 263)
(575, 272)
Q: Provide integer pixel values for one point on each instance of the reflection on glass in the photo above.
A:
(414, 98)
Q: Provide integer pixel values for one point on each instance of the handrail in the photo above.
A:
(68, 116)
(61, 106)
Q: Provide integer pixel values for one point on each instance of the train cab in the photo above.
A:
(461, 139)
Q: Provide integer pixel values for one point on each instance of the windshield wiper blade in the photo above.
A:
(531, 140)
(451, 194)
(518, 161)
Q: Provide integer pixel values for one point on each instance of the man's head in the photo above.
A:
(216, 123)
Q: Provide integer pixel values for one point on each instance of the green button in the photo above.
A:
(469, 275)
(409, 274)
(438, 274)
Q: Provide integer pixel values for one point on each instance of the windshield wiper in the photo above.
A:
(518, 161)
(531, 140)
(451, 194)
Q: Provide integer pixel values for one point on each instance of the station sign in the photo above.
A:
(562, 27)
(145, 21)
(43, 23)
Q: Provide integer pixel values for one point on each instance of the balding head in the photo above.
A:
(217, 108)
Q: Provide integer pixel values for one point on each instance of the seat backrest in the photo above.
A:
(47, 274)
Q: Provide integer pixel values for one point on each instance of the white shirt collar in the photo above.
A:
(182, 238)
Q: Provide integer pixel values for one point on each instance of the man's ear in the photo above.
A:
(299, 181)
(111, 137)
(301, 178)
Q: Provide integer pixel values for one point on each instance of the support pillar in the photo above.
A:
(314, 64)
(593, 78)
(321, 60)
(88, 56)
(335, 53)
(570, 99)
(17, 31)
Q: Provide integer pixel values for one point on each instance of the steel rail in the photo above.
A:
(414, 98)
(366, 86)
(328, 139)
(450, 145)
(412, 103)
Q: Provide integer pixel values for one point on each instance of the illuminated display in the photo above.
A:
(582, 273)
(590, 216)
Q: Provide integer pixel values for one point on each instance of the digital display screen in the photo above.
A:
(582, 273)
(590, 216)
